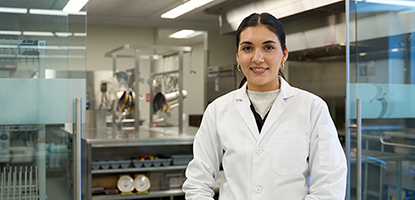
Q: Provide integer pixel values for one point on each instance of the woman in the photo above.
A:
(273, 141)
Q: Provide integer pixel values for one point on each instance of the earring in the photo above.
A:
(282, 66)
(239, 67)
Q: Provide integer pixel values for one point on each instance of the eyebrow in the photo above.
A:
(266, 42)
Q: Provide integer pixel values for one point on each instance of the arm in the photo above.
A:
(202, 171)
(327, 161)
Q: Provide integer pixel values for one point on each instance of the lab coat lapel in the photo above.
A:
(278, 107)
(243, 108)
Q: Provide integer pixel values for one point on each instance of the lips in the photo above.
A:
(258, 70)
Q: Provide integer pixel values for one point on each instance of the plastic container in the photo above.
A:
(166, 162)
(181, 159)
(95, 165)
(124, 163)
(114, 164)
(137, 163)
(157, 162)
(147, 163)
(105, 164)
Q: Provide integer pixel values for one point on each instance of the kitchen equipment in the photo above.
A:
(141, 184)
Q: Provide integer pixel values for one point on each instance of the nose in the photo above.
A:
(258, 56)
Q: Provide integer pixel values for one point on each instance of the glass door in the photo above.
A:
(42, 99)
(380, 100)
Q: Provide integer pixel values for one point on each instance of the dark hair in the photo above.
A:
(272, 23)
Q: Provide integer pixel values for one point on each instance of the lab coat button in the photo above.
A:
(258, 189)
(259, 150)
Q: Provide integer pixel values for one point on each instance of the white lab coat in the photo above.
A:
(296, 156)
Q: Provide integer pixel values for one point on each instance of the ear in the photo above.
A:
(237, 57)
(285, 55)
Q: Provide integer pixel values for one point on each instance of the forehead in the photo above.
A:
(258, 33)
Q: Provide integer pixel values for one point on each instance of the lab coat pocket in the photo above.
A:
(289, 155)
(328, 146)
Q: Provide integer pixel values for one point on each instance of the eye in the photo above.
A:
(269, 47)
(246, 48)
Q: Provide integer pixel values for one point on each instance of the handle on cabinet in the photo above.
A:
(77, 149)
(359, 149)
(395, 144)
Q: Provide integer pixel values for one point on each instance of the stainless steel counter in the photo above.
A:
(145, 136)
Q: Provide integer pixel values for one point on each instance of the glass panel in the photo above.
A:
(42, 70)
(382, 75)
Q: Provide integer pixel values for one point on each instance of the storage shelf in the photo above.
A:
(151, 194)
(141, 169)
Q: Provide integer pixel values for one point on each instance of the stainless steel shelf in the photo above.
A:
(141, 169)
(151, 194)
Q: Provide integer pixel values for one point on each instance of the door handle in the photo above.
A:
(77, 136)
(359, 149)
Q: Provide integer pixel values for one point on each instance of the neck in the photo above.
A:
(266, 87)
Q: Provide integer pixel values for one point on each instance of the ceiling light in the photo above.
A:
(13, 10)
(80, 34)
(393, 2)
(74, 6)
(10, 32)
(184, 8)
(362, 54)
(395, 50)
(63, 34)
(37, 33)
(185, 33)
(47, 12)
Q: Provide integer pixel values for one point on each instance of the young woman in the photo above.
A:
(273, 141)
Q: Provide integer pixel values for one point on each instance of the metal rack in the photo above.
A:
(178, 50)
(19, 183)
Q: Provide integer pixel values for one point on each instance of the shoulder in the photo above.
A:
(308, 98)
(224, 100)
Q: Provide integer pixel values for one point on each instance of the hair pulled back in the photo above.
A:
(268, 20)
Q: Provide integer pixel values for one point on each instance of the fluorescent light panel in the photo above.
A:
(63, 34)
(184, 8)
(393, 2)
(80, 34)
(74, 6)
(185, 33)
(47, 12)
(13, 10)
(37, 33)
(10, 32)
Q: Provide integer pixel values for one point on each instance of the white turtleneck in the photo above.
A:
(262, 101)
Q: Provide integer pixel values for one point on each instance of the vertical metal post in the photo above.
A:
(398, 178)
(359, 150)
(114, 70)
(136, 88)
(347, 103)
(40, 170)
(180, 91)
(151, 90)
(77, 135)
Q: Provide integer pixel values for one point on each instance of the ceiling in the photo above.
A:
(146, 13)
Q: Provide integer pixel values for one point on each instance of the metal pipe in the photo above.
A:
(347, 11)
(180, 93)
(152, 66)
(136, 88)
(359, 150)
(77, 149)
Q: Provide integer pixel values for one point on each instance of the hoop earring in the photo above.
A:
(239, 67)
(282, 66)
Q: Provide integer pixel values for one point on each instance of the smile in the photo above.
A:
(258, 70)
